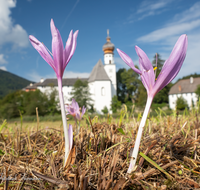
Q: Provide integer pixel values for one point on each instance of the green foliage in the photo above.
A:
(141, 96)
(26, 102)
(115, 104)
(162, 96)
(121, 86)
(10, 82)
(105, 110)
(181, 103)
(198, 91)
(132, 82)
(81, 93)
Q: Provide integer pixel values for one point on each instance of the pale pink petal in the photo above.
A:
(73, 47)
(57, 49)
(173, 64)
(42, 51)
(68, 49)
(128, 61)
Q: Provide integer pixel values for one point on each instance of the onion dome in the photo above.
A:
(108, 47)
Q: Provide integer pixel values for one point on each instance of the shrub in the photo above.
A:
(105, 110)
(115, 104)
(181, 103)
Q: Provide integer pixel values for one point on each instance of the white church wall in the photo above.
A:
(111, 72)
(67, 90)
(102, 95)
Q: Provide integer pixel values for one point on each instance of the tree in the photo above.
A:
(131, 80)
(198, 91)
(80, 92)
(141, 95)
(115, 104)
(26, 102)
(105, 110)
(121, 87)
(181, 103)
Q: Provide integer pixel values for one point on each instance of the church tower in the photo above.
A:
(109, 64)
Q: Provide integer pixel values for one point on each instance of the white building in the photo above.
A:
(102, 81)
(185, 88)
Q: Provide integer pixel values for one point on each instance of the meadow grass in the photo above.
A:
(169, 152)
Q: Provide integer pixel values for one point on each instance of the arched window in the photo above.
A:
(109, 61)
(103, 91)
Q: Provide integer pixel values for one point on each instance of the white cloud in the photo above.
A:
(3, 68)
(149, 8)
(2, 60)
(10, 32)
(168, 31)
(190, 14)
(34, 76)
(186, 22)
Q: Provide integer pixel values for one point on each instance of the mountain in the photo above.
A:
(10, 82)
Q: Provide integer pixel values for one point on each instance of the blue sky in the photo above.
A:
(154, 26)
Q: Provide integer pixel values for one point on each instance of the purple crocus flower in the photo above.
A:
(169, 71)
(58, 60)
(74, 110)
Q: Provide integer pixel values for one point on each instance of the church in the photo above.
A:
(102, 81)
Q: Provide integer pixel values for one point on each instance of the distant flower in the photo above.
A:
(169, 71)
(58, 60)
(74, 110)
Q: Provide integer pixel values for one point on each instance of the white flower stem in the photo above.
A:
(139, 136)
(64, 119)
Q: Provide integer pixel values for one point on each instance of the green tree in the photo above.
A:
(121, 87)
(80, 92)
(181, 103)
(141, 95)
(105, 110)
(132, 82)
(198, 91)
(26, 102)
(115, 104)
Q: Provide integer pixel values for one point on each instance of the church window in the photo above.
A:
(109, 61)
(103, 93)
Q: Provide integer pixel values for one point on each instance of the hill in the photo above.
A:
(10, 82)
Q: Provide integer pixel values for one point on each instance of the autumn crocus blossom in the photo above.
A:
(58, 60)
(169, 71)
(74, 110)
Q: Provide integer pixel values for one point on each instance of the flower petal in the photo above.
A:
(147, 70)
(128, 61)
(173, 64)
(42, 50)
(67, 49)
(57, 49)
(143, 59)
(83, 110)
(73, 47)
